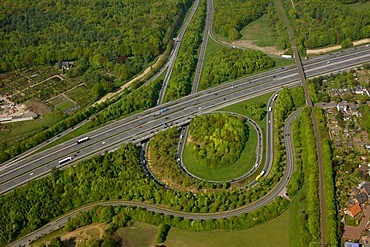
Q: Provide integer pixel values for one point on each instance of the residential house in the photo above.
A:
(361, 198)
(355, 210)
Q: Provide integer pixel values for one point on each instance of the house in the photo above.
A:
(366, 189)
(67, 65)
(354, 210)
(360, 90)
(361, 198)
(342, 106)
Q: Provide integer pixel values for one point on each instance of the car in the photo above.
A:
(234, 46)
(103, 143)
(367, 45)
(200, 108)
(328, 62)
(139, 126)
(31, 173)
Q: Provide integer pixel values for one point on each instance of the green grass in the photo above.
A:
(138, 235)
(269, 234)
(259, 32)
(359, 6)
(281, 62)
(350, 221)
(21, 130)
(81, 95)
(245, 162)
(248, 157)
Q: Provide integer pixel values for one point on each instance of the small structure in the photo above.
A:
(350, 244)
(355, 210)
(67, 65)
(361, 198)
(365, 188)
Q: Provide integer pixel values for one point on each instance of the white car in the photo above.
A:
(103, 143)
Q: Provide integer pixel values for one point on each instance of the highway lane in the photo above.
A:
(164, 210)
(121, 135)
(275, 77)
(175, 51)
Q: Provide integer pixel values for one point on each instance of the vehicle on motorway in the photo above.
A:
(275, 96)
(260, 175)
(164, 109)
(83, 140)
(270, 108)
(65, 160)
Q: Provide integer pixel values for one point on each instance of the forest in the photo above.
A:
(116, 175)
(231, 16)
(217, 140)
(322, 23)
(227, 64)
(106, 37)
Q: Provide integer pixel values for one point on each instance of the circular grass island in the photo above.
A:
(220, 147)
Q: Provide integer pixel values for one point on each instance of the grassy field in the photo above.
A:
(359, 6)
(270, 234)
(81, 95)
(21, 130)
(259, 32)
(138, 235)
(245, 162)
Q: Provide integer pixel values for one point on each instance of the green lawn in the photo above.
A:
(359, 6)
(245, 162)
(269, 234)
(138, 235)
(18, 131)
(259, 32)
(81, 95)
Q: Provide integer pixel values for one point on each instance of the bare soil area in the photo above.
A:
(80, 235)
(336, 47)
(250, 44)
(38, 107)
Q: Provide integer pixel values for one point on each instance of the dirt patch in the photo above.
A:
(250, 44)
(336, 47)
(81, 235)
(38, 107)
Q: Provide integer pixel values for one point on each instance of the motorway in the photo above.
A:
(194, 216)
(109, 137)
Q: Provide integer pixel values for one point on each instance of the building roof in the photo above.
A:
(350, 244)
(355, 209)
(366, 187)
(361, 197)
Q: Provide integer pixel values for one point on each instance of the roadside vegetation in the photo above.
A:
(217, 140)
(118, 175)
(226, 64)
(162, 160)
(307, 175)
(331, 205)
(185, 65)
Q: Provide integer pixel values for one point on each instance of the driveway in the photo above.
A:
(354, 232)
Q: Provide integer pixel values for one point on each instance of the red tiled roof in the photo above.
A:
(355, 210)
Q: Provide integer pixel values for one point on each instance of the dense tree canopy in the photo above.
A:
(107, 33)
(321, 23)
(227, 64)
(218, 139)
